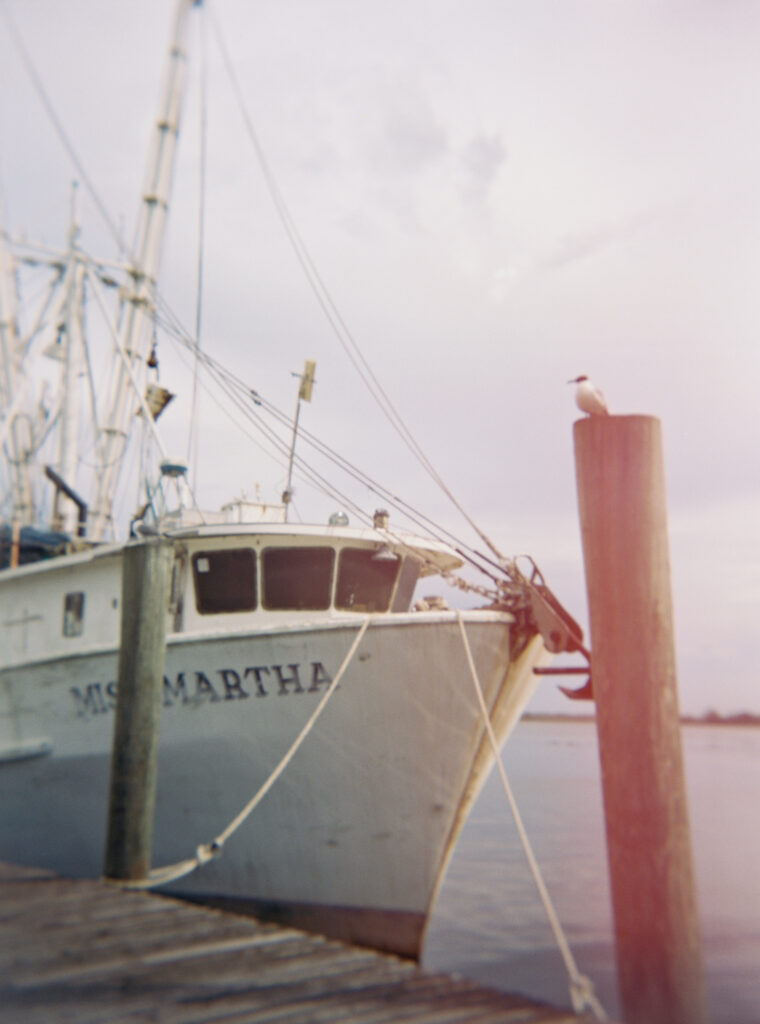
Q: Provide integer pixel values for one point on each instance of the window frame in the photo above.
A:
(242, 606)
(74, 602)
(285, 549)
(349, 551)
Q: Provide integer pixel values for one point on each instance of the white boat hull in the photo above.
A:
(353, 839)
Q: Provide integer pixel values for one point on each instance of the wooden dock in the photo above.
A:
(86, 951)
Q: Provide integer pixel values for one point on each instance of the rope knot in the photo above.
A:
(208, 851)
(582, 995)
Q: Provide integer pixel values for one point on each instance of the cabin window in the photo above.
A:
(366, 579)
(410, 573)
(73, 614)
(225, 580)
(297, 578)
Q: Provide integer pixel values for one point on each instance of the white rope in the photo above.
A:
(209, 851)
(581, 987)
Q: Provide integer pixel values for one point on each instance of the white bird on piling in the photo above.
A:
(588, 398)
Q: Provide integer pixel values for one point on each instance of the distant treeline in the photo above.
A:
(708, 718)
(715, 718)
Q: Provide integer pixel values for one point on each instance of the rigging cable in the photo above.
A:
(241, 399)
(192, 437)
(42, 95)
(342, 332)
(242, 396)
(324, 298)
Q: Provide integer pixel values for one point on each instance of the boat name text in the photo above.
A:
(196, 687)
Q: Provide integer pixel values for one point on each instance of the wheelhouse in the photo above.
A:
(278, 575)
(295, 575)
(224, 579)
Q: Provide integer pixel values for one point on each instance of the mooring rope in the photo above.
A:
(581, 987)
(209, 851)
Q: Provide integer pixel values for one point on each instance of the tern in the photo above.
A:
(588, 398)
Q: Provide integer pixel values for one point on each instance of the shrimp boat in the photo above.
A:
(354, 838)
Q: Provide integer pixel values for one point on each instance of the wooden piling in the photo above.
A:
(621, 494)
(134, 755)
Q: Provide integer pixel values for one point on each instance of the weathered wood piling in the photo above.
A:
(134, 755)
(621, 493)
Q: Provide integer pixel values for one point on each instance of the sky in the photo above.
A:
(499, 196)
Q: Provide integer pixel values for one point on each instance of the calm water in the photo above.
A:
(489, 924)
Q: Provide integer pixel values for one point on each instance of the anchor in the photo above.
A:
(560, 632)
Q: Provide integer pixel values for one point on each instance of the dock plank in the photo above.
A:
(83, 952)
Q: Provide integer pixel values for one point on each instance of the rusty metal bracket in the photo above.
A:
(585, 692)
(559, 630)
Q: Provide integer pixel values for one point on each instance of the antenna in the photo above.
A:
(304, 394)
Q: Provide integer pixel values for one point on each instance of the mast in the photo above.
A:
(65, 513)
(139, 304)
(14, 430)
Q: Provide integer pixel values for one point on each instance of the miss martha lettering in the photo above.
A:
(197, 687)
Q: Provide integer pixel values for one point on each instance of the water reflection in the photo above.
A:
(489, 924)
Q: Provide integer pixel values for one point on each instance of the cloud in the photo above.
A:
(482, 159)
(414, 138)
(583, 244)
